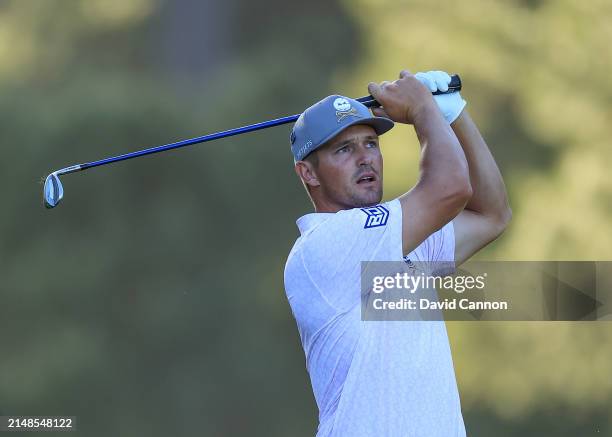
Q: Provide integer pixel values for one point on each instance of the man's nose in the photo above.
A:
(364, 157)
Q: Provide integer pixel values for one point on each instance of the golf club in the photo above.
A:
(54, 191)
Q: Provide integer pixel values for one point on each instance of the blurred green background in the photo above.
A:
(151, 302)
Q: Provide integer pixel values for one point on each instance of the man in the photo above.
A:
(385, 379)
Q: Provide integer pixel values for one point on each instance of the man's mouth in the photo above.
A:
(367, 178)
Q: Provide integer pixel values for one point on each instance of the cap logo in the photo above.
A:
(344, 109)
(342, 105)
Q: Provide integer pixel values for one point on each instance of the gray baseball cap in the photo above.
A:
(326, 119)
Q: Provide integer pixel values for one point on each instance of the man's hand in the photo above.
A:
(452, 104)
(402, 100)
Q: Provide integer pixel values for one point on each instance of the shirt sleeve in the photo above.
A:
(437, 251)
(440, 246)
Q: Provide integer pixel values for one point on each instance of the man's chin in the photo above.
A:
(371, 198)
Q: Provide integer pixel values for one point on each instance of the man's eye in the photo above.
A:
(372, 144)
(342, 149)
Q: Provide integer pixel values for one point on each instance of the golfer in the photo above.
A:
(385, 379)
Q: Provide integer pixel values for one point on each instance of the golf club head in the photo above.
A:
(53, 191)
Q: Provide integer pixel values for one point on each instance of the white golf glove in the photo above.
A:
(450, 104)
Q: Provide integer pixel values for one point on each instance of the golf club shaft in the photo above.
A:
(369, 101)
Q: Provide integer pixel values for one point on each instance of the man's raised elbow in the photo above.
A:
(465, 191)
(505, 218)
(501, 220)
(461, 192)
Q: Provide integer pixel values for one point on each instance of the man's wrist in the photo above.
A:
(457, 122)
(426, 112)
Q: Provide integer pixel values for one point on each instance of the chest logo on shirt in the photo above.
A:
(377, 216)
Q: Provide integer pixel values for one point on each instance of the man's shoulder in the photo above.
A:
(349, 221)
(331, 238)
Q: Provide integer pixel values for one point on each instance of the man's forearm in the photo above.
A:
(489, 196)
(442, 159)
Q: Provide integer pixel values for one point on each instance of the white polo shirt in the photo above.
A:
(370, 378)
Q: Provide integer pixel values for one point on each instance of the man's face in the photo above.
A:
(349, 170)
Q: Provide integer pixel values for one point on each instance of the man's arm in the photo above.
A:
(487, 213)
(443, 188)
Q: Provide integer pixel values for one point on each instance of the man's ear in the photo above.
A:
(307, 173)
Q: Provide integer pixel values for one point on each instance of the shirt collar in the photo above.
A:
(309, 221)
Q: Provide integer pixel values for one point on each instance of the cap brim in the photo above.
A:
(380, 125)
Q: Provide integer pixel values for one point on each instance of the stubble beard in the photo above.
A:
(369, 197)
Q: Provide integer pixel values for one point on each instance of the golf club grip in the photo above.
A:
(453, 86)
